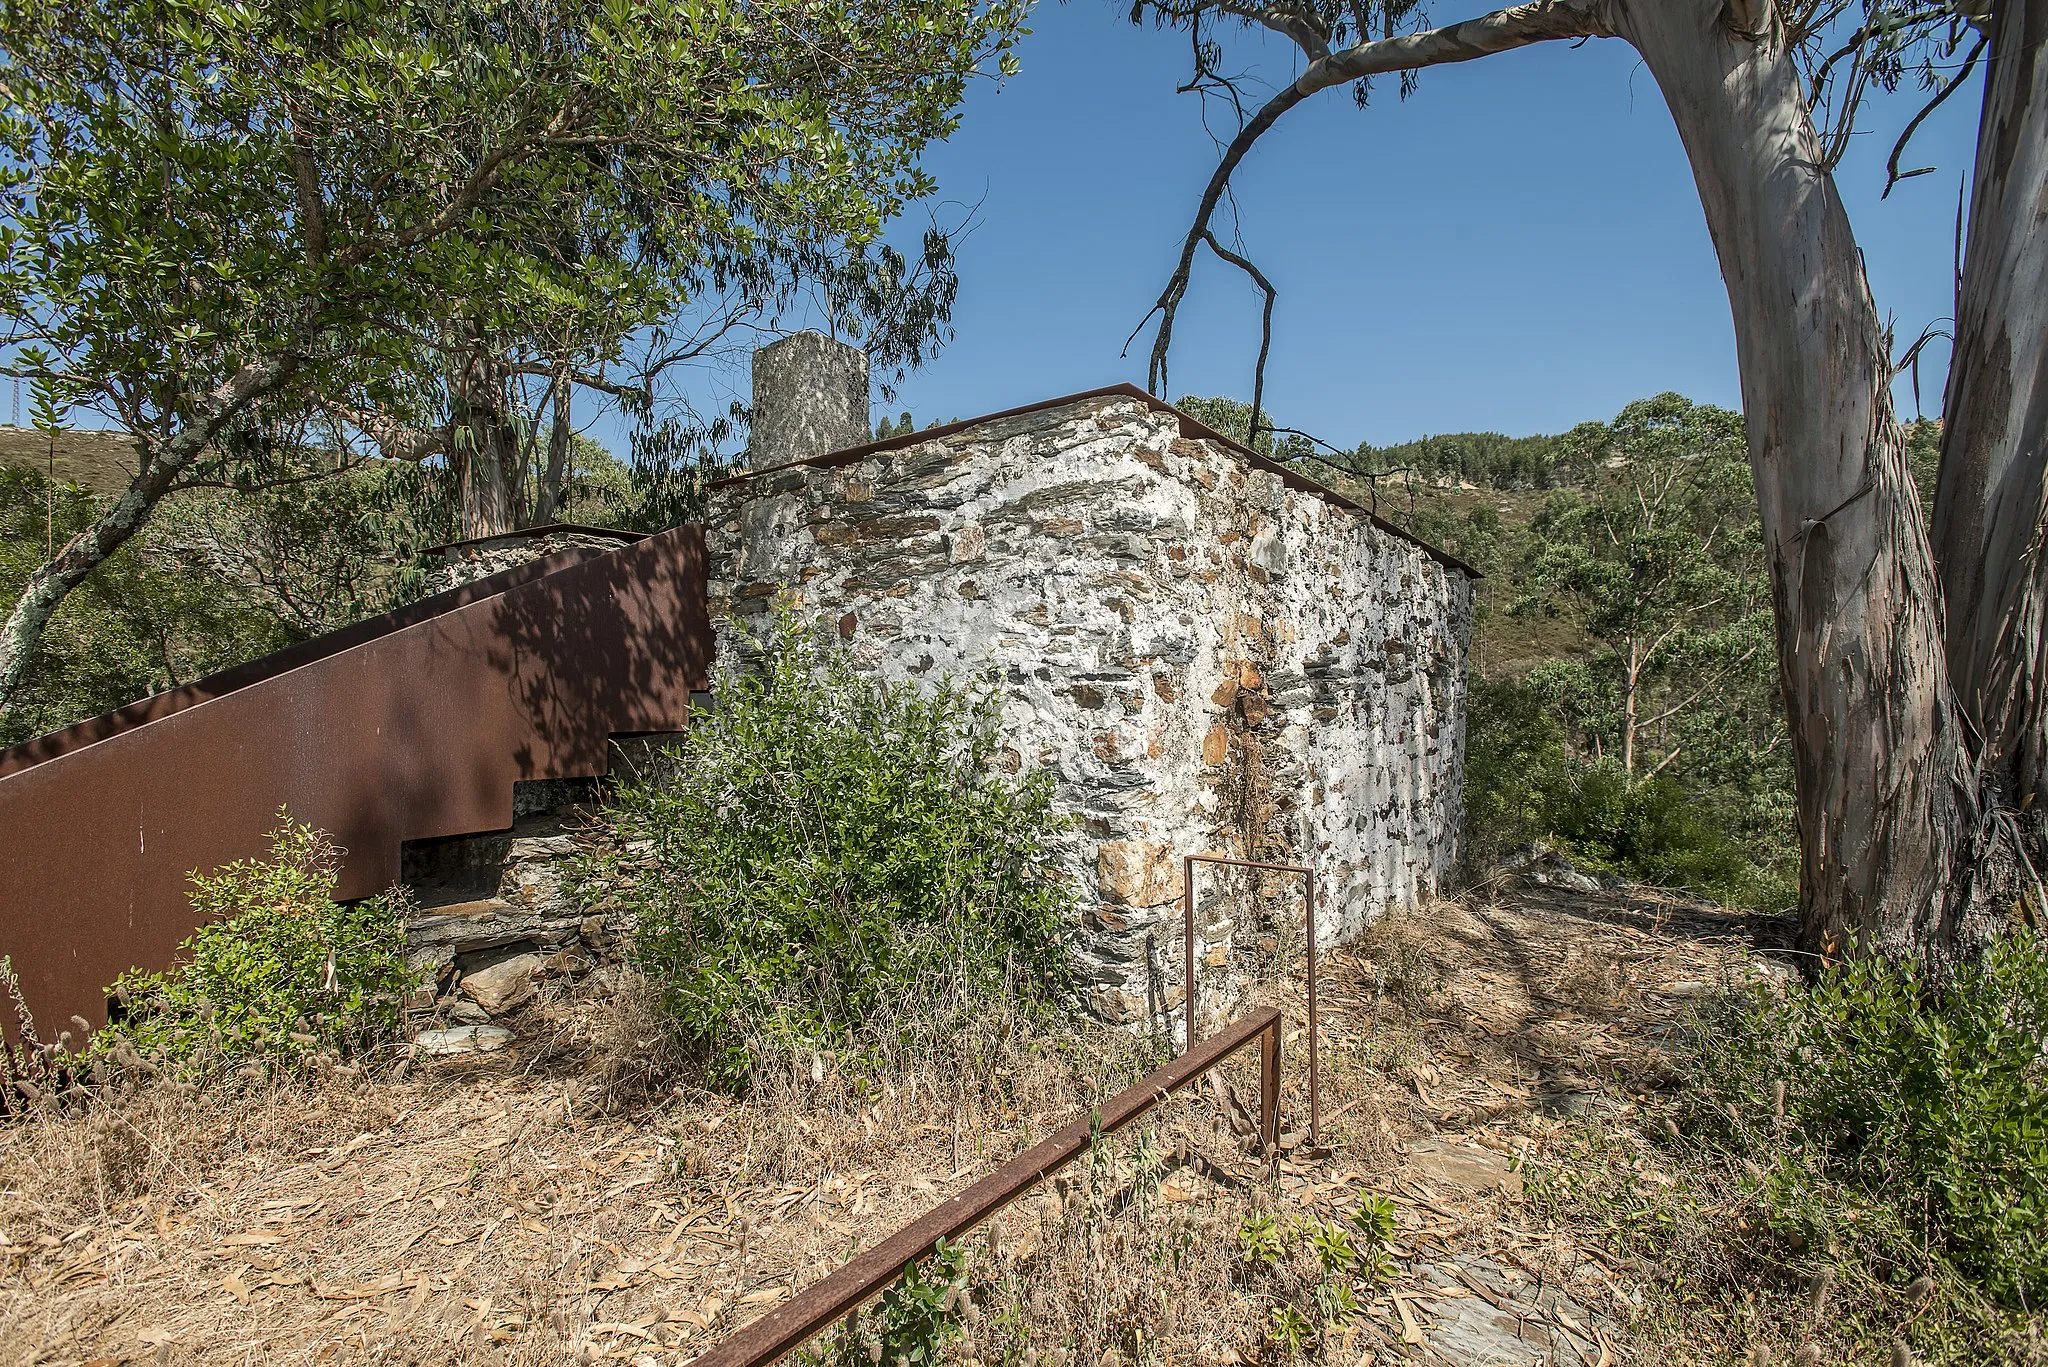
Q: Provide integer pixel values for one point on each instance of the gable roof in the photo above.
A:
(1189, 427)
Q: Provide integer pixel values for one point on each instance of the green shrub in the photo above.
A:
(829, 855)
(1523, 785)
(1907, 1104)
(280, 970)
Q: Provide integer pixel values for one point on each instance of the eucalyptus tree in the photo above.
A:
(505, 414)
(219, 217)
(1908, 840)
(1658, 561)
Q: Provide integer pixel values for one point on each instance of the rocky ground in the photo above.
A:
(494, 1207)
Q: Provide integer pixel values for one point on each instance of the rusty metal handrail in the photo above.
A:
(1308, 879)
(793, 1323)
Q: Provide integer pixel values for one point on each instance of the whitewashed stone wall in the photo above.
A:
(1207, 660)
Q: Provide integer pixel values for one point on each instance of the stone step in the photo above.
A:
(443, 934)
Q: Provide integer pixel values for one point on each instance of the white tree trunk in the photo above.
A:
(1893, 845)
(1991, 508)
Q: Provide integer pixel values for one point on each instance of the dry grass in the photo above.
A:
(564, 1200)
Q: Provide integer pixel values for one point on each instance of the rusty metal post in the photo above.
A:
(1269, 1090)
(1315, 1118)
(793, 1323)
(1187, 910)
(1315, 1129)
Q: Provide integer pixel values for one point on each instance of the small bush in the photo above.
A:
(1522, 785)
(828, 853)
(1878, 1087)
(1852, 1164)
(912, 1322)
(280, 971)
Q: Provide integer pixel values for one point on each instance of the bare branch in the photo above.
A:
(1502, 31)
(1265, 334)
(1892, 173)
(1177, 286)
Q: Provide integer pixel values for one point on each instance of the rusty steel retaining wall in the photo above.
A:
(407, 726)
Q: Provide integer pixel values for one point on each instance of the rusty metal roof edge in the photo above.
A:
(1190, 427)
(28, 754)
(543, 530)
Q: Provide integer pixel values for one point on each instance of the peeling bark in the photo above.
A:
(1897, 854)
(485, 449)
(1991, 507)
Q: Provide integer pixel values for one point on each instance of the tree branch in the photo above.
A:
(471, 192)
(1892, 174)
(1302, 29)
(312, 214)
(393, 439)
(1265, 334)
(1502, 31)
(163, 463)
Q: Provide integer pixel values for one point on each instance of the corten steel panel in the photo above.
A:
(417, 725)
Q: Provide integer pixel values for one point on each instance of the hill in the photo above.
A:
(103, 462)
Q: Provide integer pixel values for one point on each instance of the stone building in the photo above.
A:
(1209, 651)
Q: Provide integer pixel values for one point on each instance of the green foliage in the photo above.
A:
(1333, 1247)
(144, 624)
(1855, 1162)
(1878, 1087)
(1315, 1272)
(1656, 749)
(1524, 785)
(916, 1316)
(1488, 459)
(280, 971)
(220, 222)
(1259, 1241)
(913, 1320)
(1292, 1332)
(1923, 459)
(360, 166)
(832, 855)
(1375, 1220)
(1659, 562)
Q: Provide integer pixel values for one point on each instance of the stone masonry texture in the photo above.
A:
(810, 397)
(1206, 659)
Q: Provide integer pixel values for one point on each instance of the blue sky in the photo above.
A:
(1517, 247)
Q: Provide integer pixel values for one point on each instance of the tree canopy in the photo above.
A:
(222, 221)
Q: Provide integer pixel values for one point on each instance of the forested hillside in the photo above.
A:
(223, 575)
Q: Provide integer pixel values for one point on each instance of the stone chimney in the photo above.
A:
(810, 397)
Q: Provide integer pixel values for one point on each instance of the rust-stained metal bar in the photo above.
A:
(793, 1323)
(1308, 878)
(407, 726)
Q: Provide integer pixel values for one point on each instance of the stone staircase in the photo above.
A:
(495, 918)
